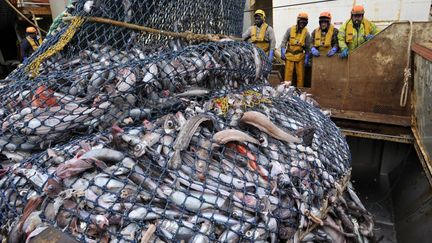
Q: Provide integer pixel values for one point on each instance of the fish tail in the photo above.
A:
(306, 134)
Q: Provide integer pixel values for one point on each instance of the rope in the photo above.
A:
(407, 71)
(22, 15)
(250, 99)
(340, 188)
(186, 35)
(33, 67)
(37, 26)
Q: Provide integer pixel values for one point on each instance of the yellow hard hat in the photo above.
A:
(357, 10)
(260, 12)
(30, 29)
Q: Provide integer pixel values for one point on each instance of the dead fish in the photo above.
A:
(184, 137)
(76, 166)
(230, 180)
(151, 73)
(147, 141)
(194, 201)
(230, 135)
(214, 217)
(127, 80)
(258, 63)
(193, 92)
(233, 233)
(258, 233)
(264, 124)
(104, 154)
(176, 230)
(48, 233)
(203, 235)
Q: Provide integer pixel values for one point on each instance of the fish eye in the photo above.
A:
(170, 124)
(138, 147)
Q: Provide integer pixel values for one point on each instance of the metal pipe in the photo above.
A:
(292, 5)
(34, 3)
(385, 137)
(36, 23)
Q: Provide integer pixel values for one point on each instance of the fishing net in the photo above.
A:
(257, 164)
(144, 121)
(90, 74)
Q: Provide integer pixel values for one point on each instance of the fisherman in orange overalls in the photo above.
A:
(295, 49)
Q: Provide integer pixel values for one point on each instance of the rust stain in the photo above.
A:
(383, 60)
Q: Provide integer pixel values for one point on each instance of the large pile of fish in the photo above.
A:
(167, 140)
(92, 75)
(117, 87)
(255, 165)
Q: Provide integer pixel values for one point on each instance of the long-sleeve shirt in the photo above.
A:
(358, 35)
(287, 36)
(269, 35)
(334, 39)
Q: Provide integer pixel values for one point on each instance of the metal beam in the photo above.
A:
(372, 117)
(36, 10)
(423, 49)
(378, 136)
(289, 5)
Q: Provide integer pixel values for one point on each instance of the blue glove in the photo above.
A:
(344, 53)
(332, 52)
(25, 60)
(307, 60)
(271, 55)
(283, 51)
(315, 52)
(368, 37)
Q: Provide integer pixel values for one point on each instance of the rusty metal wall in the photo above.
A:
(371, 79)
(423, 101)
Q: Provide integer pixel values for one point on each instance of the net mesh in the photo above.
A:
(209, 171)
(111, 134)
(88, 75)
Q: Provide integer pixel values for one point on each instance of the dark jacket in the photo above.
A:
(26, 48)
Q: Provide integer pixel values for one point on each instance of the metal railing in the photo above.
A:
(23, 3)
